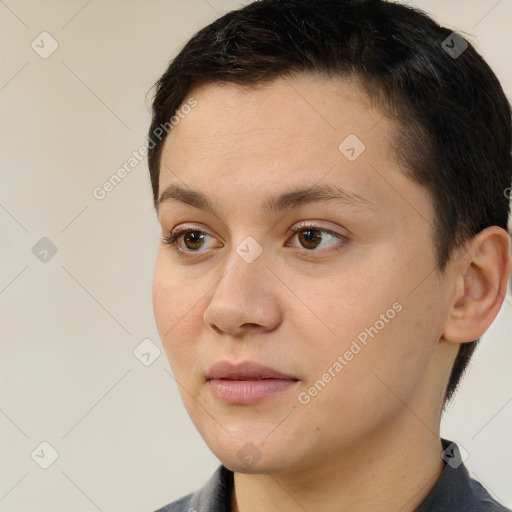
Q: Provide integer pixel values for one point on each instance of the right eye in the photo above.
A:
(192, 239)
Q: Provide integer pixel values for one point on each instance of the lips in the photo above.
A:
(245, 371)
(246, 383)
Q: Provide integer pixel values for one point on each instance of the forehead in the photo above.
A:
(300, 106)
(296, 130)
(299, 118)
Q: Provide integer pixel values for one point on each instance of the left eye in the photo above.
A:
(312, 237)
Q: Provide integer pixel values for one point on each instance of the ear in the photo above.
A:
(481, 280)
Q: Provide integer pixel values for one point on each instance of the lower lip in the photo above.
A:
(243, 392)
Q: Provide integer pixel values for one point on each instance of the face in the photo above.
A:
(320, 310)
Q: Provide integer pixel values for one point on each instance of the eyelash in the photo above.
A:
(172, 238)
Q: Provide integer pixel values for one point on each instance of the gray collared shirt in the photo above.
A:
(455, 491)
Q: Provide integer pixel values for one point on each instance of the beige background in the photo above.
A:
(69, 326)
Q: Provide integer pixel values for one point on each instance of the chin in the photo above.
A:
(252, 455)
(263, 465)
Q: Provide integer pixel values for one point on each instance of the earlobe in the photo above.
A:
(481, 283)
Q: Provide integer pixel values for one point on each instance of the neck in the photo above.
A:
(393, 470)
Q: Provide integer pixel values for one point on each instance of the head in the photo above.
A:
(400, 275)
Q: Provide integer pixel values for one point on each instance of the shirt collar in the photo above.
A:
(453, 489)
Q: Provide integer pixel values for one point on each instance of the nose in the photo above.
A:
(244, 299)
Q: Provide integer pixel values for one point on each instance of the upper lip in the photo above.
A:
(244, 371)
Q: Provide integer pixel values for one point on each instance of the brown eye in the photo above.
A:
(193, 239)
(314, 238)
(187, 240)
(310, 238)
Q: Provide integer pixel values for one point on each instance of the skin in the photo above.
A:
(369, 440)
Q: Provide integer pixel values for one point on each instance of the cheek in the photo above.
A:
(348, 304)
(371, 320)
(372, 375)
(177, 305)
(344, 339)
(398, 360)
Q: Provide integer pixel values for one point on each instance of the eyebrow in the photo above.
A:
(290, 199)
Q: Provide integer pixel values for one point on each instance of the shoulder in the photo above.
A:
(456, 489)
(482, 500)
(213, 497)
(180, 505)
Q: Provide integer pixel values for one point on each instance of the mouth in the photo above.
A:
(247, 383)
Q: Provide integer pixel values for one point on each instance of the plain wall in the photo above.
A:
(69, 325)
